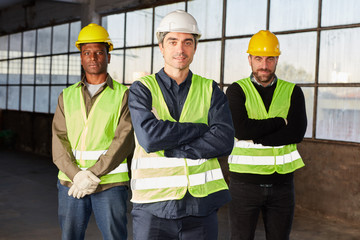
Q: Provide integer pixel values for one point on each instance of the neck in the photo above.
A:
(179, 75)
(95, 79)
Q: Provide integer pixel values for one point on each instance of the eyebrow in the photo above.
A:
(173, 38)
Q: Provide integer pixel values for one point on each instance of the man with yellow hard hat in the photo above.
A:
(92, 141)
(269, 119)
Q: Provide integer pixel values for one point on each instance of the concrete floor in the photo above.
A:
(28, 206)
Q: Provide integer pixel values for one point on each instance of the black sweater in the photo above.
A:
(268, 132)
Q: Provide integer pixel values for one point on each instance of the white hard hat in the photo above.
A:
(178, 21)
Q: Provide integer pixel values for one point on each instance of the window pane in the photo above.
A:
(28, 71)
(29, 43)
(75, 68)
(161, 11)
(309, 102)
(115, 68)
(14, 71)
(3, 72)
(75, 28)
(60, 38)
(59, 67)
(158, 63)
(42, 99)
(43, 70)
(139, 27)
(13, 97)
(290, 15)
(4, 47)
(338, 114)
(43, 41)
(208, 15)
(297, 60)
(236, 61)
(15, 45)
(27, 98)
(336, 12)
(137, 63)
(339, 56)
(246, 22)
(114, 24)
(2, 97)
(55, 92)
(206, 61)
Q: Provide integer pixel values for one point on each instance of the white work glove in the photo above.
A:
(85, 183)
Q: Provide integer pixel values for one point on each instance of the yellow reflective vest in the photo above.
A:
(253, 158)
(158, 178)
(90, 136)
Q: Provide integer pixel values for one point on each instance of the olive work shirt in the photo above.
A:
(121, 147)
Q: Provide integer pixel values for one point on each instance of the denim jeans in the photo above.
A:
(276, 203)
(149, 227)
(109, 209)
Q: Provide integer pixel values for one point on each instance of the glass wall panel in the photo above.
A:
(206, 62)
(43, 41)
(2, 97)
(14, 71)
(4, 47)
(291, 15)
(15, 45)
(137, 63)
(208, 15)
(161, 11)
(3, 72)
(28, 71)
(60, 38)
(236, 60)
(42, 99)
(309, 102)
(59, 69)
(13, 97)
(29, 43)
(27, 98)
(75, 68)
(297, 60)
(114, 24)
(158, 63)
(75, 28)
(241, 18)
(43, 70)
(338, 114)
(115, 68)
(55, 92)
(139, 27)
(335, 12)
(339, 56)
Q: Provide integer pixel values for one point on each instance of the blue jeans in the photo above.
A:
(109, 209)
(276, 203)
(149, 227)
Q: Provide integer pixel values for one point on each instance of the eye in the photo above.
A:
(188, 43)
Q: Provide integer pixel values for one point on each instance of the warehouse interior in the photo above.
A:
(320, 53)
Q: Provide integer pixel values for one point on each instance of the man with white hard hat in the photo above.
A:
(182, 124)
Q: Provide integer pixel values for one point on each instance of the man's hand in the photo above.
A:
(85, 183)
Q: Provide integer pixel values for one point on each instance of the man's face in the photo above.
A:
(178, 50)
(263, 68)
(94, 58)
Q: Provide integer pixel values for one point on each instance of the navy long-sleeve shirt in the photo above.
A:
(184, 140)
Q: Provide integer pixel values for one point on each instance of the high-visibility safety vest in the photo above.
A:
(90, 136)
(248, 157)
(158, 178)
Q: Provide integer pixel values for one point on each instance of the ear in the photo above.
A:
(161, 48)
(109, 57)
(249, 59)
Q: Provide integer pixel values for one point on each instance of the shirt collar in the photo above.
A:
(168, 82)
(257, 83)
(109, 81)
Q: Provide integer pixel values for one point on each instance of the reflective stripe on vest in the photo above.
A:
(248, 157)
(90, 136)
(159, 178)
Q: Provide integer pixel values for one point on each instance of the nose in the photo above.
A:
(263, 64)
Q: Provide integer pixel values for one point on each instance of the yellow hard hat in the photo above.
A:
(264, 43)
(94, 33)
